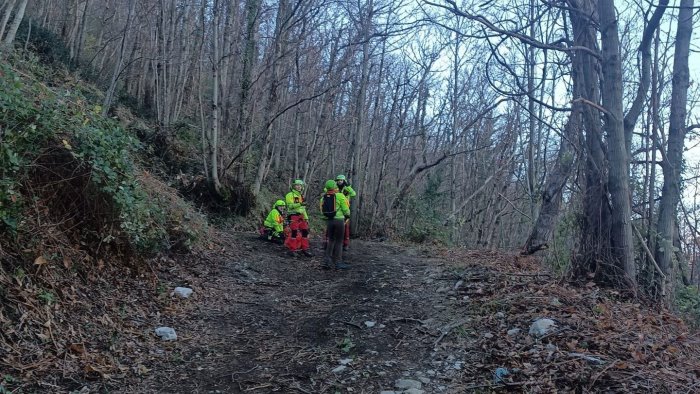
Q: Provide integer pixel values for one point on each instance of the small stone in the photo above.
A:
(345, 361)
(381, 373)
(499, 374)
(458, 365)
(166, 333)
(424, 380)
(513, 332)
(387, 392)
(183, 292)
(414, 391)
(541, 327)
(555, 302)
(551, 347)
(430, 372)
(500, 315)
(370, 324)
(458, 284)
(406, 384)
(339, 369)
(590, 359)
(488, 335)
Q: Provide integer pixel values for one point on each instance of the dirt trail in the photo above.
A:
(261, 322)
(271, 323)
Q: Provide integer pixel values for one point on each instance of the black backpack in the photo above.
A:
(328, 205)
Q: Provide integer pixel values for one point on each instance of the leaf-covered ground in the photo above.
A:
(262, 322)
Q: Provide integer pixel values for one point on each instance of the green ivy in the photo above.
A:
(688, 302)
(32, 117)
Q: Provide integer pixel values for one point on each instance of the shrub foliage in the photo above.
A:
(61, 158)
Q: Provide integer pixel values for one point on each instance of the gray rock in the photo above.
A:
(406, 384)
(513, 332)
(166, 333)
(424, 380)
(339, 368)
(542, 327)
(345, 361)
(370, 324)
(182, 292)
(500, 315)
(430, 372)
(387, 392)
(499, 374)
(488, 335)
(414, 391)
(590, 359)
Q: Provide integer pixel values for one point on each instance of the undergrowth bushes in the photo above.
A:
(61, 160)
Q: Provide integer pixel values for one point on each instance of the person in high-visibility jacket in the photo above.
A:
(335, 208)
(273, 227)
(349, 193)
(298, 241)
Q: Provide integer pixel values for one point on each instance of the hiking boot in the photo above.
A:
(342, 266)
(345, 248)
(326, 265)
(306, 253)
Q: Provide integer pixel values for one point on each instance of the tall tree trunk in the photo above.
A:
(6, 16)
(120, 60)
(672, 165)
(19, 15)
(618, 155)
(532, 124)
(214, 136)
(546, 221)
(595, 227)
(358, 141)
(244, 119)
(279, 47)
(81, 35)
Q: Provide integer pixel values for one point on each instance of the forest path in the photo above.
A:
(267, 322)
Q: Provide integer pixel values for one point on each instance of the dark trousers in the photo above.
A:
(270, 235)
(335, 228)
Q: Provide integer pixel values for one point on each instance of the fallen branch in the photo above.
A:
(406, 319)
(446, 330)
(349, 323)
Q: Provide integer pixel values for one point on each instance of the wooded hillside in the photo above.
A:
(564, 128)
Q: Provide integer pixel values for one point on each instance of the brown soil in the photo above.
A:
(260, 321)
(268, 322)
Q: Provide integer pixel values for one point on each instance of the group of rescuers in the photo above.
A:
(335, 207)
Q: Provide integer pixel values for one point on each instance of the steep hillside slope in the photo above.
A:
(80, 224)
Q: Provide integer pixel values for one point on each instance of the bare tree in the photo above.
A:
(673, 160)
